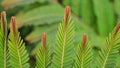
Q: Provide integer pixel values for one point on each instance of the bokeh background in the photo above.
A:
(97, 18)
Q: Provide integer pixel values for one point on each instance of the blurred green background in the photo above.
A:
(97, 18)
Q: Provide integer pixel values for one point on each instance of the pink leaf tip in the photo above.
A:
(3, 21)
(67, 14)
(84, 40)
(13, 25)
(44, 38)
(117, 28)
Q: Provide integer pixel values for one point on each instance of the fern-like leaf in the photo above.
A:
(43, 54)
(18, 54)
(41, 15)
(83, 54)
(108, 55)
(63, 51)
(4, 56)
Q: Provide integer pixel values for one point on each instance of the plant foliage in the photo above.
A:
(4, 56)
(18, 54)
(64, 54)
(108, 54)
(43, 59)
(64, 49)
(83, 54)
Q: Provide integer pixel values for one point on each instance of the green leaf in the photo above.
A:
(108, 54)
(41, 15)
(64, 46)
(4, 56)
(118, 62)
(83, 54)
(43, 57)
(105, 16)
(18, 54)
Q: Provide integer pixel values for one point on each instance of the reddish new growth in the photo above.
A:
(67, 14)
(117, 28)
(13, 25)
(44, 38)
(84, 40)
(3, 16)
(3, 20)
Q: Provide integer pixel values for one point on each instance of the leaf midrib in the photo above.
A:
(82, 62)
(5, 44)
(18, 55)
(5, 54)
(44, 57)
(106, 57)
(63, 50)
(107, 54)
